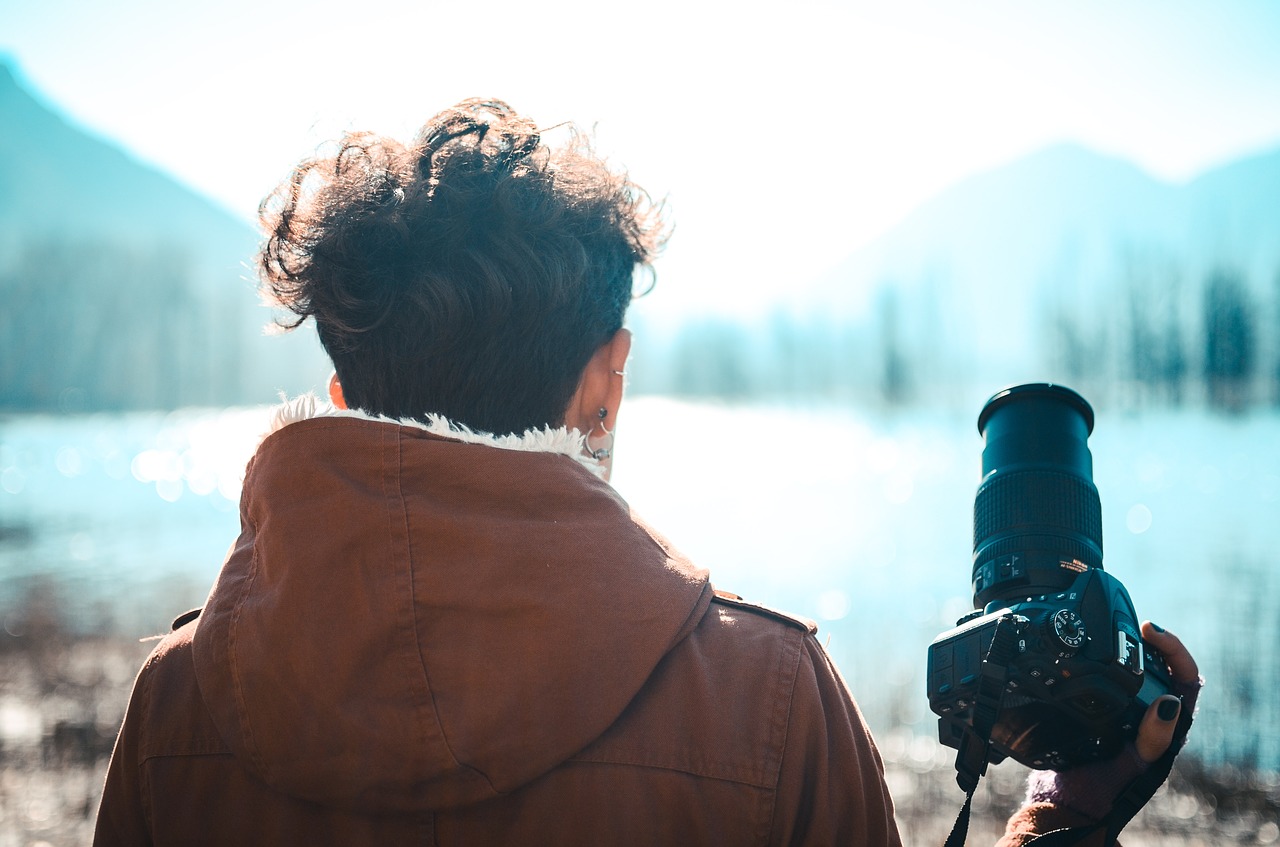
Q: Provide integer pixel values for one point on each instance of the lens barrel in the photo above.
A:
(1037, 519)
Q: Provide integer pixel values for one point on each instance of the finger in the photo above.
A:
(1181, 664)
(1156, 730)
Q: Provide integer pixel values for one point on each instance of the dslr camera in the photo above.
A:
(1050, 668)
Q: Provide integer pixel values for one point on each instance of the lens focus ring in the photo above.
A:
(1037, 502)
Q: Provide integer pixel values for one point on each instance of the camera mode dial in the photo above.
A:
(1067, 630)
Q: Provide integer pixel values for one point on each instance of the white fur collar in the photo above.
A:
(569, 442)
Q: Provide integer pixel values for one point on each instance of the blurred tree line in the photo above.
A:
(1156, 338)
(99, 324)
(94, 325)
(1171, 341)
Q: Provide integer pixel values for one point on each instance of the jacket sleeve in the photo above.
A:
(831, 787)
(122, 818)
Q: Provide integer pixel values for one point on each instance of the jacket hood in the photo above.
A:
(418, 617)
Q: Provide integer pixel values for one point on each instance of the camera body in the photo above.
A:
(1077, 682)
(1051, 669)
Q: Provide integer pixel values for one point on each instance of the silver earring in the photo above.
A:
(602, 453)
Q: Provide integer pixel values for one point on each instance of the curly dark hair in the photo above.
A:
(472, 274)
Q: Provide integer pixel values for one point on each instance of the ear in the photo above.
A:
(335, 392)
(601, 386)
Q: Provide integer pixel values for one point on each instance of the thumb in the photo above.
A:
(1156, 730)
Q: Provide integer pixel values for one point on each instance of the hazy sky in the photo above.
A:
(783, 137)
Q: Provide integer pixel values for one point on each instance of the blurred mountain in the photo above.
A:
(124, 288)
(981, 280)
(56, 178)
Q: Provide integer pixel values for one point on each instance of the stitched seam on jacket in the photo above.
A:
(789, 690)
(631, 763)
(413, 610)
(233, 628)
(194, 750)
(429, 829)
(144, 783)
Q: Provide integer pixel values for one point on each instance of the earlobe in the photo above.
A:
(600, 386)
(335, 392)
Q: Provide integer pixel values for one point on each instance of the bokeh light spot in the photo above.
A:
(1139, 519)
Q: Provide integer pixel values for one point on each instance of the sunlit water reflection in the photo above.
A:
(861, 523)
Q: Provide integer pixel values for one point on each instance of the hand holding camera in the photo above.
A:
(1092, 789)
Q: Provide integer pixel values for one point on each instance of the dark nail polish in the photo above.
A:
(1167, 710)
(1157, 627)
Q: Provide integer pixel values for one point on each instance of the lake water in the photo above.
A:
(862, 523)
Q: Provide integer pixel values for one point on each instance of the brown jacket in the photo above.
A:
(420, 640)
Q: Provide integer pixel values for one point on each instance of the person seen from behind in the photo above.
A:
(440, 624)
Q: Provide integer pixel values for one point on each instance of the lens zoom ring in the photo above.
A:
(1037, 502)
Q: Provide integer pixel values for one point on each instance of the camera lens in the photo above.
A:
(1037, 519)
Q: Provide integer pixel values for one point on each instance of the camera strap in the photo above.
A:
(975, 746)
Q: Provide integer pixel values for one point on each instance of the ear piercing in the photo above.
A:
(602, 453)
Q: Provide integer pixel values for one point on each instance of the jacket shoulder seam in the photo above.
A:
(727, 598)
